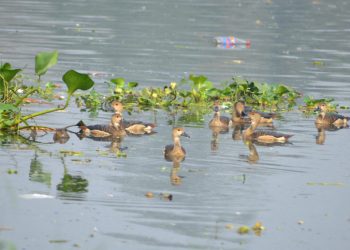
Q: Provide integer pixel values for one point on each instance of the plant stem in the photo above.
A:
(26, 95)
(46, 111)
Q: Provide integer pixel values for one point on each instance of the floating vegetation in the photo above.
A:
(71, 153)
(193, 94)
(191, 98)
(12, 171)
(310, 104)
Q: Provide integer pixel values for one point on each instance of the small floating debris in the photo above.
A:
(229, 42)
(166, 196)
(58, 241)
(334, 184)
(12, 171)
(229, 226)
(36, 196)
(149, 195)
(243, 230)
(300, 222)
(71, 153)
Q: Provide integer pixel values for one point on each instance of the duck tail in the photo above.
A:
(80, 124)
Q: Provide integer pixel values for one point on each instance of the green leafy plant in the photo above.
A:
(196, 92)
(44, 61)
(14, 93)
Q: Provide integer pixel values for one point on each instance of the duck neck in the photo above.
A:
(236, 114)
(251, 128)
(177, 143)
(117, 126)
(217, 116)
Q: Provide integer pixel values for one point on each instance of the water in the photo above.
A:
(297, 191)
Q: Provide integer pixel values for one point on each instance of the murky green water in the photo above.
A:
(298, 191)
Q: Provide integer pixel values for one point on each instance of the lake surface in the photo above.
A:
(298, 191)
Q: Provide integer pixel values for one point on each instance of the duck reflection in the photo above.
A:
(238, 128)
(175, 179)
(321, 131)
(216, 131)
(253, 156)
(61, 136)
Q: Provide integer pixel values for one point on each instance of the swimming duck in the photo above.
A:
(240, 111)
(175, 151)
(132, 127)
(115, 129)
(329, 118)
(218, 120)
(262, 136)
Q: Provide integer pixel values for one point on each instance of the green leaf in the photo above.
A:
(5, 66)
(7, 74)
(281, 90)
(8, 107)
(119, 82)
(44, 61)
(75, 81)
(132, 84)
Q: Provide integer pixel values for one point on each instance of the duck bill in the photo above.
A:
(317, 109)
(185, 134)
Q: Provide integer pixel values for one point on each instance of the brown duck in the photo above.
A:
(175, 151)
(330, 118)
(218, 120)
(239, 114)
(266, 137)
(115, 128)
(132, 127)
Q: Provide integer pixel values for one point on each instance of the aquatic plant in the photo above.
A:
(310, 104)
(194, 92)
(14, 93)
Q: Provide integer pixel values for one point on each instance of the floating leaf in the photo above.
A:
(71, 153)
(243, 230)
(132, 84)
(75, 81)
(119, 82)
(44, 61)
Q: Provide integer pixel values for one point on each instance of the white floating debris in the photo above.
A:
(36, 196)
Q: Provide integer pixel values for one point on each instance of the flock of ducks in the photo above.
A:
(241, 115)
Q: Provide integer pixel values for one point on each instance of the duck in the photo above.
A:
(132, 127)
(239, 114)
(330, 118)
(266, 137)
(218, 120)
(176, 151)
(114, 129)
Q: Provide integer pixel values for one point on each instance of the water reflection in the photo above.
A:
(175, 179)
(238, 128)
(216, 131)
(36, 172)
(71, 183)
(61, 136)
(253, 155)
(321, 131)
